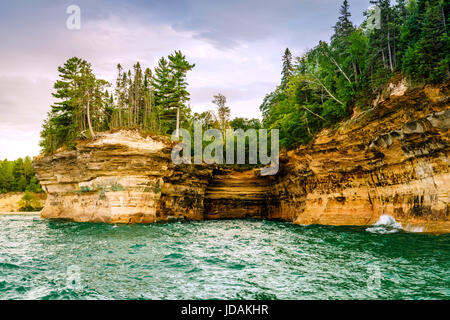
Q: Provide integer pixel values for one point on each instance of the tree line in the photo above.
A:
(18, 176)
(151, 101)
(320, 88)
(142, 99)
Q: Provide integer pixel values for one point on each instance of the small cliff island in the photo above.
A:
(391, 159)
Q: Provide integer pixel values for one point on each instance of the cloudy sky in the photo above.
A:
(235, 44)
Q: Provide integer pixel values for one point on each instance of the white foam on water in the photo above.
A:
(414, 229)
(386, 224)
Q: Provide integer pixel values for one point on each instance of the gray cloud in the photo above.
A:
(21, 100)
(236, 45)
(204, 95)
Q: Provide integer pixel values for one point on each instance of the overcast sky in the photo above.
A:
(236, 45)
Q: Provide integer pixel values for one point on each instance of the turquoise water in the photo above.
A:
(42, 259)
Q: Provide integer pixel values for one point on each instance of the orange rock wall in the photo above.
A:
(392, 160)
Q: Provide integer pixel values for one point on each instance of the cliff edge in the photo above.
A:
(391, 159)
(121, 177)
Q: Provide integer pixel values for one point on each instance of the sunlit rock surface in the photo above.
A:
(121, 177)
(390, 160)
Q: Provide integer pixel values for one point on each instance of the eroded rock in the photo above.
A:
(393, 162)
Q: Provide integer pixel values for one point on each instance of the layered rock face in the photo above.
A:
(238, 195)
(121, 177)
(390, 160)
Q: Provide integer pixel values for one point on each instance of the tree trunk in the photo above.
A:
(315, 114)
(89, 115)
(443, 18)
(177, 131)
(307, 123)
(389, 46)
(328, 91)
(395, 51)
(120, 114)
(339, 67)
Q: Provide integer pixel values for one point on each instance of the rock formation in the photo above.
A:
(238, 195)
(391, 159)
(121, 177)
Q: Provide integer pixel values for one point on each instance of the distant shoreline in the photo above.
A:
(20, 213)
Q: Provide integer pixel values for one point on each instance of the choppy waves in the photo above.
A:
(42, 259)
(385, 225)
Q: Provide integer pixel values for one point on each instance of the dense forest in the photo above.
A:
(321, 88)
(317, 90)
(18, 176)
(151, 101)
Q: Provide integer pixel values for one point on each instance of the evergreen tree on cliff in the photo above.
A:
(429, 58)
(287, 70)
(171, 93)
(120, 93)
(81, 106)
(163, 86)
(61, 125)
(179, 67)
(344, 27)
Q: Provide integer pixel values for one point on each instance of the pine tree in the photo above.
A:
(137, 93)
(80, 108)
(288, 69)
(109, 111)
(428, 59)
(65, 118)
(130, 98)
(344, 27)
(90, 95)
(179, 67)
(120, 93)
(380, 59)
(163, 86)
(147, 93)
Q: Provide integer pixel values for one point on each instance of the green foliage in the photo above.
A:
(84, 190)
(317, 90)
(142, 100)
(157, 188)
(30, 202)
(18, 176)
(245, 124)
(428, 59)
(287, 67)
(80, 106)
(171, 92)
(332, 78)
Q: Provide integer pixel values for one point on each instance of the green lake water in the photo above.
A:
(41, 259)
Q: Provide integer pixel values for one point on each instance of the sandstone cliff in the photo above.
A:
(392, 159)
(121, 177)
